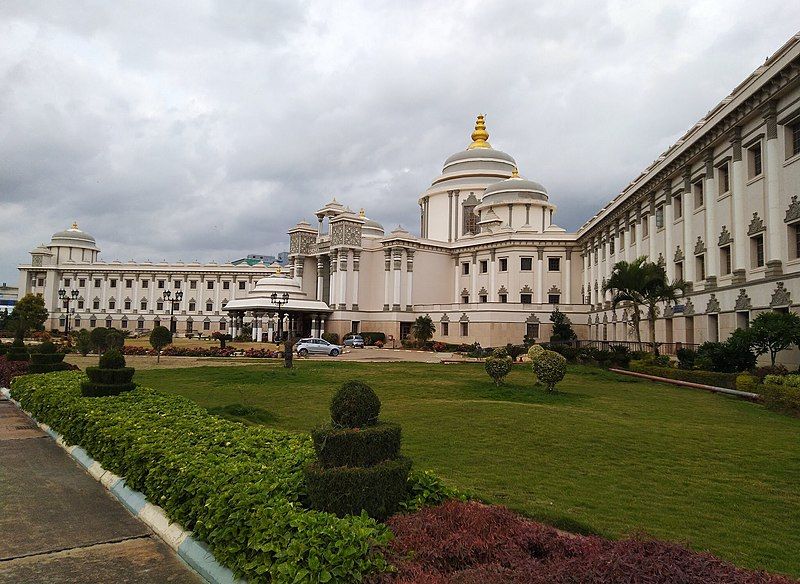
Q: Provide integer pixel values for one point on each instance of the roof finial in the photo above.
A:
(362, 213)
(74, 225)
(480, 135)
(515, 173)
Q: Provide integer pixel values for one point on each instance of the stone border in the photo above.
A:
(712, 388)
(190, 550)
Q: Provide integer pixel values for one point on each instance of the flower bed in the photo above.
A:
(472, 543)
(174, 351)
(238, 488)
(11, 369)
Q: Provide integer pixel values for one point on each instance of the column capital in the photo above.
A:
(709, 161)
(770, 114)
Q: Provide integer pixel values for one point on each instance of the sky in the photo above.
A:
(203, 130)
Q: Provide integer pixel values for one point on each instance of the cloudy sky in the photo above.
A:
(204, 129)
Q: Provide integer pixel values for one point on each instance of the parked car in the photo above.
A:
(355, 341)
(316, 346)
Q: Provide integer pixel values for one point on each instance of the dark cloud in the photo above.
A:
(189, 130)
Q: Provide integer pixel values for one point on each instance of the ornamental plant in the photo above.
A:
(550, 368)
(46, 359)
(359, 467)
(18, 351)
(110, 378)
(160, 337)
(498, 368)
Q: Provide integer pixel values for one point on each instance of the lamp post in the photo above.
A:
(67, 297)
(172, 302)
(280, 300)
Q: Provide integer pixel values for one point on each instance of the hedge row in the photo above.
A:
(238, 488)
(173, 351)
(727, 380)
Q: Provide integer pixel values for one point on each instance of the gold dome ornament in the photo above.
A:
(515, 173)
(74, 225)
(480, 135)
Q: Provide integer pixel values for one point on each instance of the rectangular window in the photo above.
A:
(483, 298)
(192, 307)
(159, 305)
(532, 330)
(645, 226)
(503, 298)
(725, 259)
(161, 284)
(659, 216)
(226, 285)
(611, 246)
(207, 326)
(445, 329)
(553, 298)
(697, 190)
(503, 264)
(111, 304)
(193, 284)
(129, 283)
(124, 323)
(177, 284)
(143, 305)
(743, 320)
(465, 268)
(80, 303)
(82, 282)
(465, 299)
(678, 206)
(525, 298)
(145, 283)
(209, 306)
(724, 179)
(793, 146)
(754, 168)
(554, 264)
(526, 264)
(189, 326)
(464, 329)
(713, 328)
(483, 266)
(222, 325)
(96, 305)
(113, 283)
(622, 240)
(242, 285)
(757, 250)
(127, 305)
(97, 282)
(67, 282)
(633, 235)
(210, 284)
(701, 267)
(40, 282)
(794, 241)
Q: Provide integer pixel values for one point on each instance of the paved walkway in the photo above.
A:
(59, 525)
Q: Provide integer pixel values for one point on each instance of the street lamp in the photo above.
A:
(172, 303)
(67, 297)
(280, 300)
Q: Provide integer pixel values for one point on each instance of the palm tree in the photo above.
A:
(643, 284)
(423, 329)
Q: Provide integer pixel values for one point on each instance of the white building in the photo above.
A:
(720, 208)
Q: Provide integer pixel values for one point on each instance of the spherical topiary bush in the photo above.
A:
(498, 368)
(355, 405)
(534, 352)
(112, 359)
(550, 368)
(500, 352)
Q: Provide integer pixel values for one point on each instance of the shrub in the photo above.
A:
(238, 488)
(99, 339)
(356, 446)
(110, 378)
(568, 352)
(83, 342)
(762, 372)
(47, 360)
(497, 368)
(747, 382)
(331, 338)
(620, 356)
(371, 338)
(160, 337)
(112, 359)
(656, 360)
(774, 379)
(535, 351)
(782, 397)
(732, 356)
(686, 358)
(355, 405)
(562, 327)
(500, 353)
(115, 339)
(727, 380)
(425, 489)
(18, 351)
(550, 368)
(11, 369)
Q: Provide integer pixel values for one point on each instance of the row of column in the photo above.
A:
(338, 279)
(393, 279)
(290, 324)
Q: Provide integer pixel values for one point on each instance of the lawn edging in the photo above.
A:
(191, 551)
(734, 392)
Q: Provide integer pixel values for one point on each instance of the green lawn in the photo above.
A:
(606, 454)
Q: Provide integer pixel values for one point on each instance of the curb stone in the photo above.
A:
(190, 550)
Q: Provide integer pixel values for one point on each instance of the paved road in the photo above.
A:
(60, 526)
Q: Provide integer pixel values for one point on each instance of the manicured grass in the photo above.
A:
(606, 454)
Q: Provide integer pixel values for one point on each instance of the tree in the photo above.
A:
(160, 337)
(98, 339)
(773, 332)
(423, 329)
(562, 327)
(29, 314)
(83, 342)
(643, 284)
(223, 338)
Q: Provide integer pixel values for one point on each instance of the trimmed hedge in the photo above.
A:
(356, 447)
(355, 405)
(347, 490)
(727, 380)
(110, 376)
(92, 389)
(238, 488)
(18, 352)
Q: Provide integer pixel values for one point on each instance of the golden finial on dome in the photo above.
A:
(480, 135)
(74, 225)
(515, 173)
(278, 270)
(362, 213)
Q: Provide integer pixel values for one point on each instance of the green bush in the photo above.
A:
(91, 389)
(46, 348)
(773, 379)
(732, 356)
(83, 342)
(747, 382)
(160, 337)
(112, 359)
(569, 352)
(355, 405)
(238, 488)
(349, 490)
(782, 398)
(18, 351)
(331, 338)
(498, 368)
(350, 447)
(686, 358)
(47, 360)
(500, 353)
(110, 376)
(98, 339)
(535, 351)
(550, 368)
(727, 380)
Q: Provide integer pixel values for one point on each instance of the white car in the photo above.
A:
(305, 347)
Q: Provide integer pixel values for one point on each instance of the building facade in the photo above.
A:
(719, 208)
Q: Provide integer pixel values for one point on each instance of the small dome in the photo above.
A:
(73, 237)
(479, 154)
(515, 187)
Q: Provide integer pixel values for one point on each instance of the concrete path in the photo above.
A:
(59, 525)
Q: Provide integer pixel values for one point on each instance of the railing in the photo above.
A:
(663, 348)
